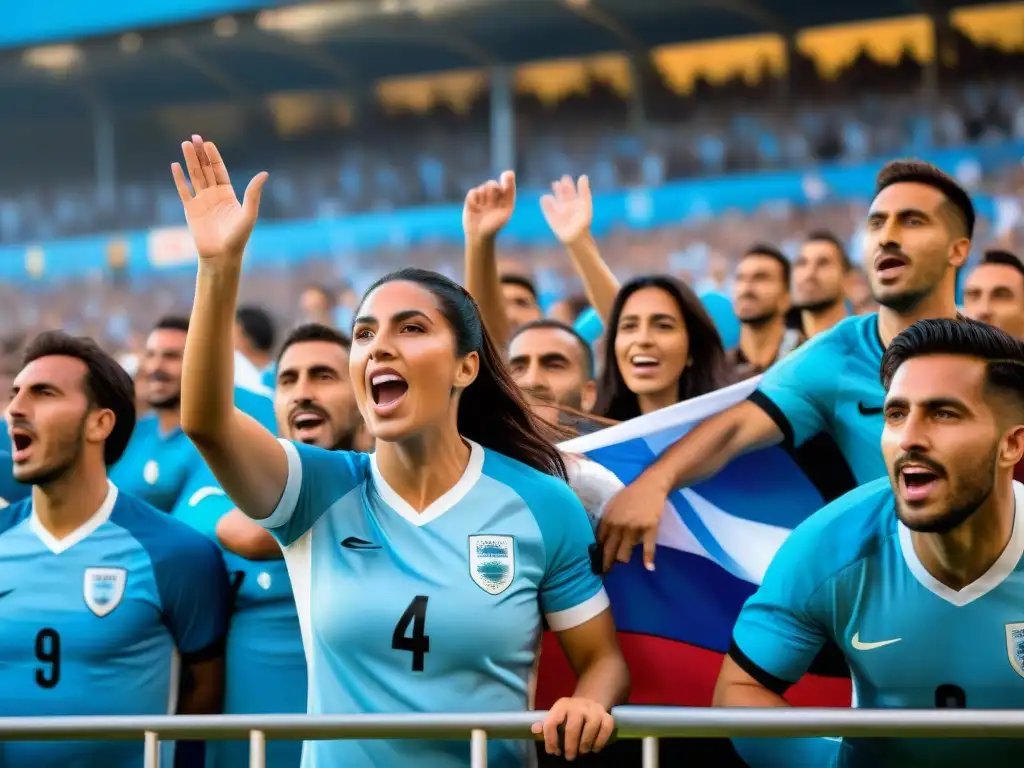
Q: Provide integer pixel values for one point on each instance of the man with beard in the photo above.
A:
(554, 367)
(923, 582)
(160, 462)
(266, 666)
(819, 281)
(762, 300)
(994, 292)
(918, 233)
(107, 606)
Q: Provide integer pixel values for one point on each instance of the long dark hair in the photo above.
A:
(705, 374)
(491, 411)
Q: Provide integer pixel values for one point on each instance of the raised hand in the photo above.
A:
(569, 210)
(219, 224)
(489, 207)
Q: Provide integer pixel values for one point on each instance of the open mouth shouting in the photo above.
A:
(388, 389)
(889, 266)
(22, 441)
(918, 481)
(644, 365)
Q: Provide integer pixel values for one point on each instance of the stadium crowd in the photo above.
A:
(342, 489)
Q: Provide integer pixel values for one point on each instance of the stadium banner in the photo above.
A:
(169, 247)
(715, 542)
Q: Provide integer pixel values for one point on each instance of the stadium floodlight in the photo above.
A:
(54, 58)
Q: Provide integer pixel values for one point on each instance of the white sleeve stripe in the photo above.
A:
(560, 621)
(290, 497)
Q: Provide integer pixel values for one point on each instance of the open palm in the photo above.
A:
(489, 207)
(569, 210)
(220, 226)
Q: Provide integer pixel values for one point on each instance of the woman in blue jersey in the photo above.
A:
(422, 573)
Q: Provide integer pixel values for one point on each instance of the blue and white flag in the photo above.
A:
(715, 542)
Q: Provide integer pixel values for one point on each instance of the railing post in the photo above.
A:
(650, 752)
(151, 750)
(478, 748)
(257, 749)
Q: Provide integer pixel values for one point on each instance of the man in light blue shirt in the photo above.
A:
(160, 462)
(107, 606)
(918, 576)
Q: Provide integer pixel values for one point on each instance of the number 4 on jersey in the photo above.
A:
(418, 644)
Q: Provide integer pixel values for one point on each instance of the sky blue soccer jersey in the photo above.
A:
(832, 384)
(96, 623)
(265, 663)
(850, 574)
(438, 611)
(158, 467)
(10, 489)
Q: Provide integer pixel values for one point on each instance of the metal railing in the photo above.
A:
(632, 722)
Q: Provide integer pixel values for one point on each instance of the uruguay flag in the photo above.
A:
(715, 542)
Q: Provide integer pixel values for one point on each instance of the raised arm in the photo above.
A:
(569, 211)
(246, 459)
(634, 515)
(486, 211)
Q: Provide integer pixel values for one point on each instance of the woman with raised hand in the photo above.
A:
(422, 573)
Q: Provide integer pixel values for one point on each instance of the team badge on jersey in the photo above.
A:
(151, 472)
(1015, 646)
(104, 588)
(492, 562)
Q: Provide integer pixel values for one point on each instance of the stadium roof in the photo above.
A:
(350, 43)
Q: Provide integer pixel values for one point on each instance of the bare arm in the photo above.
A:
(569, 211)
(714, 443)
(635, 513)
(238, 534)
(202, 689)
(602, 682)
(487, 209)
(246, 459)
(736, 688)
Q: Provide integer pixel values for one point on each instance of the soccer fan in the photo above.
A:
(662, 348)
(554, 367)
(104, 600)
(160, 463)
(820, 274)
(935, 546)
(918, 233)
(521, 302)
(391, 614)
(994, 292)
(254, 341)
(761, 302)
(265, 662)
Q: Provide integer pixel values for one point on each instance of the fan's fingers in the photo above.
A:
(220, 171)
(204, 160)
(195, 172)
(179, 182)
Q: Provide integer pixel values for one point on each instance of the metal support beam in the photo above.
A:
(428, 34)
(748, 9)
(310, 54)
(193, 60)
(606, 21)
(503, 121)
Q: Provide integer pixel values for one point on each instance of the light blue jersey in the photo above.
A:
(157, 467)
(265, 669)
(832, 385)
(10, 489)
(438, 611)
(910, 640)
(97, 623)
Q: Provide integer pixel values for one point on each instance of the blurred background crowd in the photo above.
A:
(719, 127)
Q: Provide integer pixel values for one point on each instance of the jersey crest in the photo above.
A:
(104, 588)
(1015, 646)
(492, 562)
(151, 472)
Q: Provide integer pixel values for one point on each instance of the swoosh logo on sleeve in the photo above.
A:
(860, 646)
(354, 542)
(867, 410)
